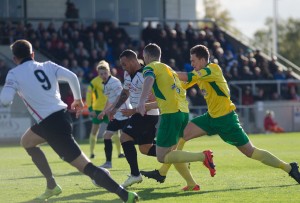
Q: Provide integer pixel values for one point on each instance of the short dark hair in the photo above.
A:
(200, 51)
(153, 50)
(128, 53)
(21, 49)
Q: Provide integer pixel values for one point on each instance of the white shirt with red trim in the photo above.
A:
(134, 84)
(37, 85)
(112, 89)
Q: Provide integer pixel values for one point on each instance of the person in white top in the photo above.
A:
(112, 89)
(37, 84)
(139, 130)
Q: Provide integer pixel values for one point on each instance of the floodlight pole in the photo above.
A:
(274, 30)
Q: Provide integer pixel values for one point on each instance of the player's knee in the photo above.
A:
(144, 149)
(124, 138)
(160, 158)
(25, 143)
(107, 135)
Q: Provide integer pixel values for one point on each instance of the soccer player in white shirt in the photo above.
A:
(139, 130)
(112, 89)
(37, 84)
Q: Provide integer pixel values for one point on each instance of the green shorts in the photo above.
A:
(95, 120)
(171, 128)
(228, 127)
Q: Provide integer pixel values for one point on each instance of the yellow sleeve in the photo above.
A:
(186, 85)
(89, 97)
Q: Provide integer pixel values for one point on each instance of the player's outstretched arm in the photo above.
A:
(182, 76)
(9, 90)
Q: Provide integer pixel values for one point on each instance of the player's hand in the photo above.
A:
(141, 109)
(151, 97)
(111, 114)
(128, 112)
(77, 106)
(101, 115)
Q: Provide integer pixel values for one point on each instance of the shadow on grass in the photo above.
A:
(77, 197)
(150, 194)
(76, 173)
(145, 194)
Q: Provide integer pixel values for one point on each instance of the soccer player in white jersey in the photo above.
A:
(37, 84)
(140, 129)
(112, 89)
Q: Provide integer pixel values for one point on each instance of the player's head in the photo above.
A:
(199, 56)
(152, 52)
(129, 61)
(21, 49)
(103, 70)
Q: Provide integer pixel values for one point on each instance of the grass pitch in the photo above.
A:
(238, 179)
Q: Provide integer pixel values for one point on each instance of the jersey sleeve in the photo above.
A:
(70, 77)
(148, 71)
(205, 74)
(9, 90)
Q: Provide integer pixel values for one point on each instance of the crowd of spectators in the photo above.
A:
(79, 47)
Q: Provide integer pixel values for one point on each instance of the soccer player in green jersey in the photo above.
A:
(171, 100)
(221, 117)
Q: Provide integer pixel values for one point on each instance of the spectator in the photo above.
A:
(71, 11)
(292, 94)
(257, 74)
(270, 125)
(247, 98)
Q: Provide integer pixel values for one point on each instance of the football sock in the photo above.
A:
(178, 156)
(180, 144)
(270, 160)
(39, 159)
(93, 141)
(165, 167)
(163, 170)
(108, 149)
(131, 157)
(116, 139)
(183, 170)
(152, 151)
(104, 180)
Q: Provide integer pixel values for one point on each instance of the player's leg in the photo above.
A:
(93, 137)
(116, 139)
(66, 147)
(269, 159)
(167, 141)
(108, 148)
(131, 157)
(101, 178)
(30, 142)
(191, 130)
(232, 133)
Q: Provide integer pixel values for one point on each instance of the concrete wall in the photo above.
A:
(287, 114)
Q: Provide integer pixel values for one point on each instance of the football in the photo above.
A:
(106, 171)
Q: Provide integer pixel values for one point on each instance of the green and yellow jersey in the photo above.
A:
(95, 97)
(170, 95)
(214, 88)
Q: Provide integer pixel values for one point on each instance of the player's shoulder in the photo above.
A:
(213, 66)
(114, 81)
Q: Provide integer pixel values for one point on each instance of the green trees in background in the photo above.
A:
(288, 32)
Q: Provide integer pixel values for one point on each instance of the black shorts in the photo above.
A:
(56, 129)
(142, 128)
(116, 125)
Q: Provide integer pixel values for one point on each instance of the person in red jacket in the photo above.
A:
(270, 124)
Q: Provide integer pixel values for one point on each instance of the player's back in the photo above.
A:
(167, 88)
(37, 84)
